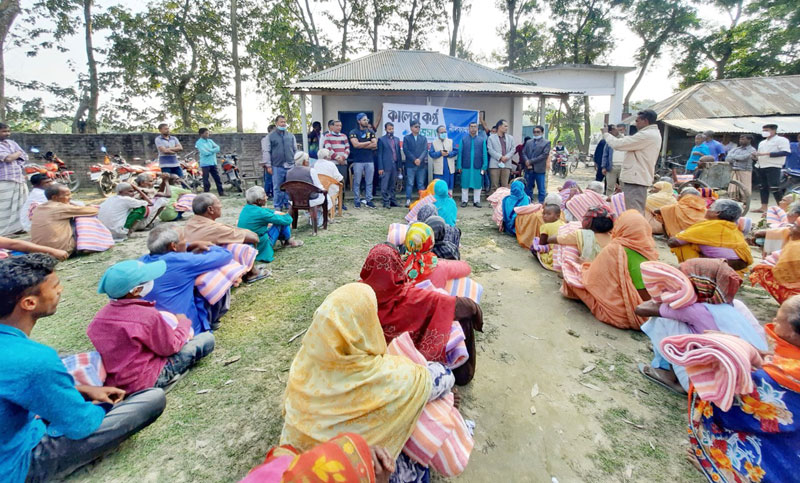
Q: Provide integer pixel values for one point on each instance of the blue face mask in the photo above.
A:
(442, 135)
(282, 128)
(537, 137)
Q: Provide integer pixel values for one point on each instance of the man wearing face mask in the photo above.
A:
(142, 347)
(772, 152)
(444, 157)
(277, 156)
(534, 162)
(389, 159)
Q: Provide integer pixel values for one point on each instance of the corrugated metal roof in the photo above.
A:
(741, 125)
(466, 87)
(413, 65)
(753, 96)
(578, 67)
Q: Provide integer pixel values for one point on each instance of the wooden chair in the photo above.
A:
(299, 193)
(327, 181)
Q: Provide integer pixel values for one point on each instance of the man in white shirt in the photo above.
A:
(772, 152)
(121, 212)
(35, 198)
(641, 153)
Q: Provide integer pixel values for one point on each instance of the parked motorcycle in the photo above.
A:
(560, 161)
(115, 169)
(230, 169)
(192, 174)
(55, 169)
(790, 181)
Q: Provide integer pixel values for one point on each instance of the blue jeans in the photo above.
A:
(537, 179)
(281, 200)
(200, 346)
(268, 183)
(367, 172)
(416, 176)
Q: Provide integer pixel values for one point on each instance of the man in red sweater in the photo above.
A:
(142, 347)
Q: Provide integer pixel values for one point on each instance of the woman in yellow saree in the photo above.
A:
(661, 196)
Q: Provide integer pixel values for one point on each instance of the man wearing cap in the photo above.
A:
(772, 152)
(364, 143)
(140, 346)
(50, 426)
(415, 149)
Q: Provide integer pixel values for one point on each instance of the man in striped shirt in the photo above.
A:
(337, 142)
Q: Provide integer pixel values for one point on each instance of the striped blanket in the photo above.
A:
(86, 368)
(213, 285)
(559, 251)
(456, 348)
(578, 205)
(618, 203)
(668, 285)
(397, 234)
(683, 178)
(745, 224)
(776, 217)
(92, 235)
(496, 200)
(441, 438)
(718, 365)
(411, 216)
(184, 202)
(465, 287)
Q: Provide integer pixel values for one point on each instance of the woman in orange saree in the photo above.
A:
(689, 209)
(779, 273)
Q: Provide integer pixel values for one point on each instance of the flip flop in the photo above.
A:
(262, 274)
(661, 383)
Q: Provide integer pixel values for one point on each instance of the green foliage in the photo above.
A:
(33, 115)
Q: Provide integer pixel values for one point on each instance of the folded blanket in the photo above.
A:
(456, 348)
(411, 216)
(397, 234)
(184, 202)
(718, 365)
(92, 235)
(776, 217)
(441, 438)
(496, 200)
(465, 287)
(578, 205)
(86, 368)
(214, 284)
(745, 224)
(618, 203)
(524, 210)
(667, 284)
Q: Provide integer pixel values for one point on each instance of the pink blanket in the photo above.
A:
(668, 285)
(579, 204)
(618, 203)
(411, 217)
(91, 235)
(397, 234)
(215, 284)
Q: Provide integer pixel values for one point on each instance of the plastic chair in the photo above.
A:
(327, 181)
(299, 193)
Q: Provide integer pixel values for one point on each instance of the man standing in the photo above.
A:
(267, 174)
(208, 150)
(741, 160)
(389, 159)
(599, 151)
(611, 162)
(168, 148)
(336, 141)
(772, 152)
(415, 149)
(715, 148)
(473, 161)
(701, 149)
(641, 153)
(364, 142)
(278, 157)
(314, 139)
(501, 148)
(534, 162)
(13, 188)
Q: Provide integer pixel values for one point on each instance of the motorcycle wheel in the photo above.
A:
(73, 184)
(237, 184)
(105, 185)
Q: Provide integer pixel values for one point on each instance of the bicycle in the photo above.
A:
(718, 177)
(667, 167)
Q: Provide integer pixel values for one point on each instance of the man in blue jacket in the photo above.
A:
(415, 149)
(389, 159)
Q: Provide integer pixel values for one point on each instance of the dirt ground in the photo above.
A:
(596, 418)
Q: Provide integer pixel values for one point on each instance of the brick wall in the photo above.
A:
(80, 151)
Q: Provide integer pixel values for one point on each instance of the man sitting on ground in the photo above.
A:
(50, 427)
(175, 291)
(35, 198)
(160, 197)
(204, 227)
(51, 224)
(171, 212)
(121, 213)
(140, 346)
(268, 225)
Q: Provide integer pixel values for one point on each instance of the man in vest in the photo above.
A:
(473, 161)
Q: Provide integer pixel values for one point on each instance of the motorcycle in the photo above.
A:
(230, 169)
(560, 161)
(790, 180)
(192, 174)
(55, 169)
(115, 169)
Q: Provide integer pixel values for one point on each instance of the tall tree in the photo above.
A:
(457, 7)
(375, 14)
(658, 25)
(414, 20)
(9, 9)
(237, 67)
(349, 11)
(304, 14)
(517, 12)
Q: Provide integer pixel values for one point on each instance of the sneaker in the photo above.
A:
(357, 204)
(476, 205)
(393, 204)
(463, 204)
(371, 204)
(408, 203)
(388, 207)
(344, 207)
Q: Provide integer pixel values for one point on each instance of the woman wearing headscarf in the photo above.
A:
(451, 233)
(443, 248)
(779, 273)
(660, 196)
(427, 315)
(445, 205)
(343, 381)
(422, 264)
(611, 286)
(516, 198)
(690, 209)
(710, 285)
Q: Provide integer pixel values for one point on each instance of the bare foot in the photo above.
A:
(456, 399)
(692, 458)
(666, 377)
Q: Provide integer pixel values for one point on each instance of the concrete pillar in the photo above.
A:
(516, 119)
(615, 109)
(304, 121)
(318, 112)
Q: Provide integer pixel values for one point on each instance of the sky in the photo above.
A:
(479, 30)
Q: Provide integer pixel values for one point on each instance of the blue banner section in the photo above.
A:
(457, 122)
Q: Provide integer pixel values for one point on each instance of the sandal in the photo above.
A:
(262, 274)
(661, 383)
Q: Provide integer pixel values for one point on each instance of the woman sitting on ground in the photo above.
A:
(516, 198)
(709, 286)
(342, 380)
(779, 273)
(716, 237)
(660, 196)
(445, 205)
(427, 315)
(579, 245)
(689, 210)
(612, 286)
(452, 234)
(422, 264)
(442, 247)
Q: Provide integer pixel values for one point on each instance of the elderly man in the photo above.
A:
(35, 198)
(741, 160)
(302, 172)
(140, 346)
(268, 225)
(51, 224)
(159, 197)
(716, 237)
(641, 153)
(473, 161)
(501, 149)
(175, 290)
(120, 213)
(13, 188)
(324, 165)
(534, 162)
(51, 426)
(277, 156)
(203, 226)
(336, 141)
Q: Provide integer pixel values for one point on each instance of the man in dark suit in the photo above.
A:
(415, 149)
(389, 159)
(534, 162)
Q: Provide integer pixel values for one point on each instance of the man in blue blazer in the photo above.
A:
(415, 149)
(389, 159)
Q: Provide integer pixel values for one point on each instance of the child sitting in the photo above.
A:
(551, 215)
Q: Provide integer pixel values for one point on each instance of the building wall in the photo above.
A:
(80, 151)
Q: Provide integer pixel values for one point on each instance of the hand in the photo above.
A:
(164, 176)
(673, 243)
(59, 254)
(380, 172)
(445, 153)
(503, 158)
(102, 394)
(458, 171)
(604, 129)
(269, 169)
(382, 463)
(198, 246)
(605, 171)
(417, 162)
(483, 172)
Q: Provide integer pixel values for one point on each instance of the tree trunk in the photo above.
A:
(511, 5)
(83, 106)
(645, 64)
(456, 22)
(237, 68)
(575, 126)
(94, 88)
(375, 23)
(587, 125)
(9, 9)
(411, 20)
(345, 22)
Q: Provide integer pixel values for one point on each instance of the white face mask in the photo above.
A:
(766, 134)
(146, 288)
